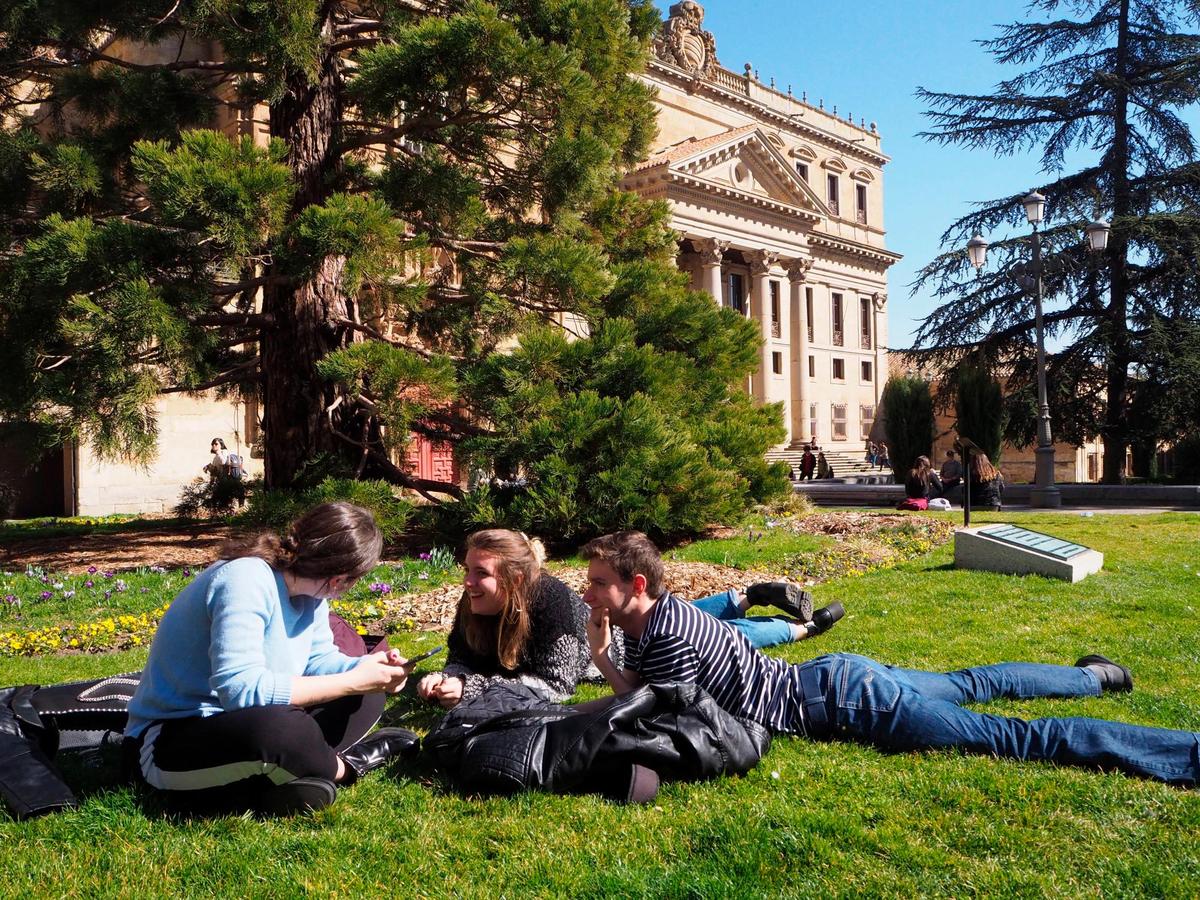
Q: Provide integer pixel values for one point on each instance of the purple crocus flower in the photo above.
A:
(91, 570)
(89, 583)
(46, 595)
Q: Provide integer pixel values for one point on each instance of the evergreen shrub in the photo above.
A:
(908, 407)
(979, 406)
(277, 509)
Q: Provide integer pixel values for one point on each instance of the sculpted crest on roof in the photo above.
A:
(684, 43)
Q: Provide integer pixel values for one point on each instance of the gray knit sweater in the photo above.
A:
(555, 658)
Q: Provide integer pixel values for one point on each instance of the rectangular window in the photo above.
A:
(735, 292)
(831, 192)
(839, 335)
(860, 203)
(808, 311)
(866, 418)
(812, 367)
(839, 369)
(777, 363)
(839, 421)
(864, 319)
(802, 170)
(866, 371)
(775, 327)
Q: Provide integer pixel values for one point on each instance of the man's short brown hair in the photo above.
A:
(629, 553)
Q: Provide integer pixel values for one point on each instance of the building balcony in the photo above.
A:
(866, 342)
(839, 339)
(776, 331)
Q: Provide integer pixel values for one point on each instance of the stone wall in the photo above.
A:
(187, 426)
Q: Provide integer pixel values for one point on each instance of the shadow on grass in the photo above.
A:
(28, 529)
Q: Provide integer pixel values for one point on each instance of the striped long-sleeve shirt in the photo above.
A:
(683, 644)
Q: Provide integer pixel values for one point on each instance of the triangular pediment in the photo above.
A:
(747, 163)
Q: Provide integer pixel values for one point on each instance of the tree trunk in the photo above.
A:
(1115, 430)
(295, 399)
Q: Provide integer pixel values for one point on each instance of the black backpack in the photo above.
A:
(37, 723)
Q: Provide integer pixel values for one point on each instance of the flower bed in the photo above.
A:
(391, 597)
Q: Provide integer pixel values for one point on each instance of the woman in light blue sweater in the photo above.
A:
(245, 701)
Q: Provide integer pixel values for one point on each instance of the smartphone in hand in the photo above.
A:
(408, 664)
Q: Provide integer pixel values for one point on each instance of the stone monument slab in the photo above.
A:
(1019, 551)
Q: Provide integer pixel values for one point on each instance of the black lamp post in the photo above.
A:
(1044, 493)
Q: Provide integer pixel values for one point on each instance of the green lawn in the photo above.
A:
(811, 820)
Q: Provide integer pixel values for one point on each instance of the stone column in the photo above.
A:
(710, 251)
(879, 305)
(761, 263)
(797, 270)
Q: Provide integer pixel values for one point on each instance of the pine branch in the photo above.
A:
(254, 320)
(356, 26)
(355, 43)
(247, 284)
(188, 65)
(237, 373)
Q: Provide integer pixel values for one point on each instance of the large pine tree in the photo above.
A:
(439, 179)
(1101, 97)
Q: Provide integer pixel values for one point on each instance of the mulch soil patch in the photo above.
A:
(172, 547)
(196, 545)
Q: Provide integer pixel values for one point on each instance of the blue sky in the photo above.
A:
(868, 58)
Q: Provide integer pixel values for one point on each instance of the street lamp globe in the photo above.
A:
(977, 251)
(1035, 207)
(1097, 235)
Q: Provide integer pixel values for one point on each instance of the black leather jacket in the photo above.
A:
(509, 740)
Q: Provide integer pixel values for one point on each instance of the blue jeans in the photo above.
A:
(762, 631)
(905, 709)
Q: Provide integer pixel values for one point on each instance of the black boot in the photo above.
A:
(376, 749)
(303, 795)
(1112, 677)
(791, 598)
(825, 618)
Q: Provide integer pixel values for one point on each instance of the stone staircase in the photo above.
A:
(847, 466)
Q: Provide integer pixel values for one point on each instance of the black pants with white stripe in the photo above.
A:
(224, 762)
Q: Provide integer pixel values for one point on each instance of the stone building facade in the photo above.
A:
(779, 207)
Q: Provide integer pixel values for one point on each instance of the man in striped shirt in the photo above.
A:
(670, 640)
(848, 697)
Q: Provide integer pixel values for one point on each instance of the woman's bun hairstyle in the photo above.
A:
(330, 539)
